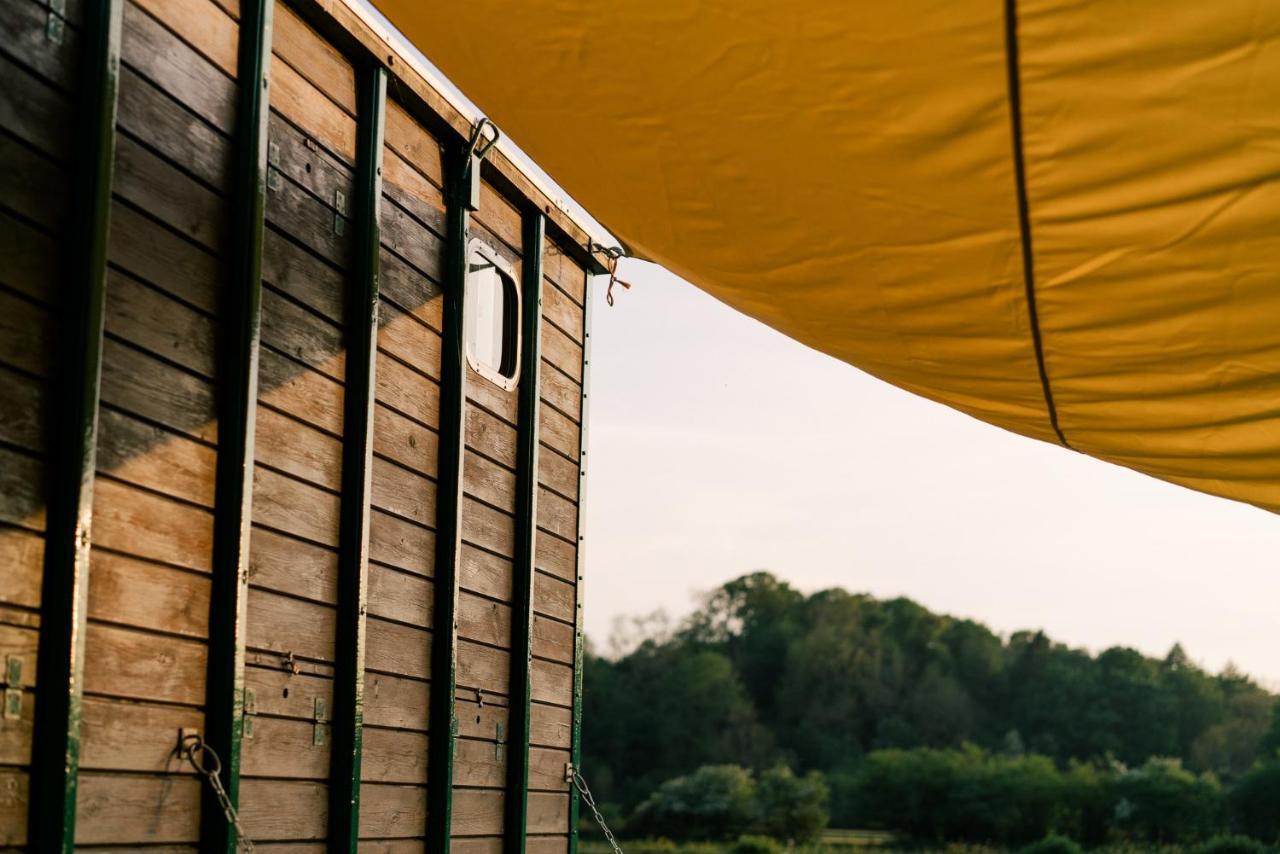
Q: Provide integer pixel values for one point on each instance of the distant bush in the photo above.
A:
(790, 807)
(755, 845)
(714, 802)
(1053, 844)
(1163, 802)
(1232, 845)
(1255, 802)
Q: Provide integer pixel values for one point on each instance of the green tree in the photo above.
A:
(790, 807)
(715, 802)
(1164, 802)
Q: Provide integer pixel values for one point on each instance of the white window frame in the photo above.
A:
(475, 247)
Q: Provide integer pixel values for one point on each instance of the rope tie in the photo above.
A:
(612, 255)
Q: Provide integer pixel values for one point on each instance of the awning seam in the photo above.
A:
(1024, 210)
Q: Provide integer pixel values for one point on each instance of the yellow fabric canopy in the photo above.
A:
(849, 173)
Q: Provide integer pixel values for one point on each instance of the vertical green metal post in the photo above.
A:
(576, 735)
(237, 407)
(73, 441)
(521, 691)
(357, 454)
(461, 171)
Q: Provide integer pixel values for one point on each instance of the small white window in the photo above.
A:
(492, 314)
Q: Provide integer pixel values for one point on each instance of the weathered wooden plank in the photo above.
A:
(283, 625)
(178, 134)
(562, 350)
(477, 812)
(159, 324)
(26, 335)
(558, 474)
(397, 438)
(31, 259)
(565, 273)
(284, 809)
(116, 809)
(400, 596)
(293, 270)
(35, 111)
(302, 103)
(22, 36)
(487, 528)
(21, 557)
(557, 515)
(279, 691)
(553, 597)
(407, 391)
(314, 58)
(23, 410)
(407, 187)
(294, 507)
(409, 289)
(297, 449)
(548, 813)
(145, 455)
(413, 235)
(158, 256)
(394, 756)
(404, 493)
(560, 391)
(491, 436)
(398, 650)
(483, 667)
(302, 392)
(290, 329)
(169, 194)
(206, 44)
(124, 662)
(410, 340)
(22, 492)
(401, 543)
(284, 748)
(415, 144)
(561, 312)
(546, 769)
(552, 682)
(550, 726)
(15, 736)
(388, 811)
(395, 702)
(479, 764)
(484, 620)
(282, 563)
(558, 432)
(558, 844)
(501, 218)
(143, 385)
(553, 639)
(489, 482)
(136, 737)
(148, 595)
(485, 573)
(312, 223)
(33, 186)
(146, 525)
(14, 785)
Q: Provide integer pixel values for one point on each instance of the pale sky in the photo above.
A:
(718, 446)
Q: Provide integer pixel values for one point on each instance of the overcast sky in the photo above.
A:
(718, 446)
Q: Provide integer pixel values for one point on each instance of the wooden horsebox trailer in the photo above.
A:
(275, 497)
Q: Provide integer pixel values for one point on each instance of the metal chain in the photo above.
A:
(210, 767)
(580, 784)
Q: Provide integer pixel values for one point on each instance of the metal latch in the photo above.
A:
(12, 687)
(568, 772)
(321, 721)
(477, 147)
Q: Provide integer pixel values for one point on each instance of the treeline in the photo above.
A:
(762, 675)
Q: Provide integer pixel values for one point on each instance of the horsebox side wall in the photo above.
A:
(147, 646)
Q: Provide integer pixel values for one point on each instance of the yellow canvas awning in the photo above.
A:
(851, 173)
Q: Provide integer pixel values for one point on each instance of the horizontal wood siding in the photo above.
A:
(36, 104)
(149, 591)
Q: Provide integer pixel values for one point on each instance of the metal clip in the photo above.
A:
(321, 721)
(250, 711)
(55, 26)
(13, 687)
(568, 772)
(499, 741)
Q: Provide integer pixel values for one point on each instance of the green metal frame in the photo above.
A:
(73, 442)
(578, 633)
(463, 173)
(516, 804)
(357, 455)
(237, 408)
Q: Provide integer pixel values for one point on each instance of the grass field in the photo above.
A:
(848, 842)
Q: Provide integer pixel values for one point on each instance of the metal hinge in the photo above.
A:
(321, 722)
(339, 214)
(12, 687)
(56, 26)
(499, 741)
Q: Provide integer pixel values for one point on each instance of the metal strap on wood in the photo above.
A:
(462, 170)
(578, 636)
(73, 440)
(237, 406)
(526, 521)
(357, 455)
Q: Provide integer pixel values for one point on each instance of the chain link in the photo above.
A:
(580, 784)
(209, 766)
